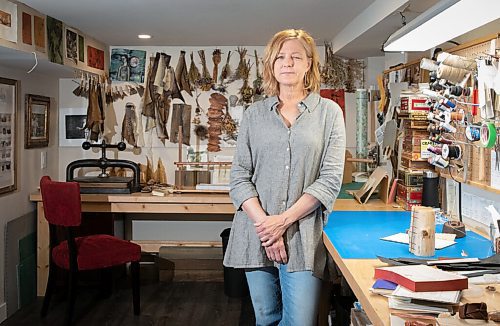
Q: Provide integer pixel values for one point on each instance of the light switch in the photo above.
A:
(43, 160)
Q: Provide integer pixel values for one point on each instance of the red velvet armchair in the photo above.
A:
(62, 208)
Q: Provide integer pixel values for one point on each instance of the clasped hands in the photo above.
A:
(270, 230)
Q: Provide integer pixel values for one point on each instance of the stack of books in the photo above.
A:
(419, 288)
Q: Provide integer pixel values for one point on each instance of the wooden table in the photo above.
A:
(359, 272)
(180, 207)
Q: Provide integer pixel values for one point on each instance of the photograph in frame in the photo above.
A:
(37, 117)
(72, 45)
(71, 127)
(8, 21)
(8, 118)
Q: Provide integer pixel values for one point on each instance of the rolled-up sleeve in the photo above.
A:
(327, 186)
(242, 169)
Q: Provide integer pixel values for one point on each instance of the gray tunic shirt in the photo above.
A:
(278, 165)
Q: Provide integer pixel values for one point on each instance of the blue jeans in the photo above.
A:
(282, 298)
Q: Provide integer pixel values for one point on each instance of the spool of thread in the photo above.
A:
(488, 134)
(455, 227)
(456, 61)
(447, 127)
(435, 149)
(467, 91)
(430, 189)
(428, 64)
(473, 132)
(434, 129)
(440, 139)
(439, 161)
(447, 103)
(456, 90)
(452, 74)
(451, 152)
(457, 116)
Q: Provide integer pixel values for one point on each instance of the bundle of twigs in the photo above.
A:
(206, 80)
(216, 59)
(194, 73)
(257, 83)
(246, 91)
(242, 69)
(226, 70)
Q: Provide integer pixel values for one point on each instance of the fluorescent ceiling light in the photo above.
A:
(144, 36)
(441, 23)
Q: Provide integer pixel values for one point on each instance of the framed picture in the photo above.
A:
(8, 121)
(72, 130)
(36, 117)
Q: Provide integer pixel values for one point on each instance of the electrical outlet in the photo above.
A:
(43, 160)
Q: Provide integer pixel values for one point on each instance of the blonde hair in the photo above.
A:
(312, 77)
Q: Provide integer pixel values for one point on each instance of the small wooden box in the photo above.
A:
(414, 105)
(411, 178)
(409, 194)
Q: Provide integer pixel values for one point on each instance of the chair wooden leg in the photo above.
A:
(136, 293)
(49, 290)
(72, 284)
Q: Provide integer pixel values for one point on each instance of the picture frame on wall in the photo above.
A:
(37, 118)
(9, 89)
(71, 127)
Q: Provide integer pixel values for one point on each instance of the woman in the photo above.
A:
(286, 172)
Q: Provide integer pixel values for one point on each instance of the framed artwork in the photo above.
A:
(27, 30)
(36, 117)
(8, 117)
(55, 40)
(72, 45)
(95, 58)
(39, 33)
(127, 65)
(8, 21)
(81, 48)
(72, 130)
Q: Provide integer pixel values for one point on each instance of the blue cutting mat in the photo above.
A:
(356, 234)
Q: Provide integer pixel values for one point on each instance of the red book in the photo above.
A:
(422, 278)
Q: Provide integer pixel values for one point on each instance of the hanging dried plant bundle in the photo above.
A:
(246, 91)
(201, 131)
(257, 83)
(181, 74)
(149, 171)
(216, 59)
(197, 112)
(215, 114)
(194, 73)
(205, 81)
(341, 73)
(226, 70)
(228, 124)
(241, 70)
(129, 124)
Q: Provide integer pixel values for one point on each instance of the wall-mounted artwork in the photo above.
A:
(81, 48)
(55, 40)
(71, 126)
(27, 32)
(39, 33)
(71, 45)
(8, 21)
(36, 122)
(95, 58)
(8, 117)
(127, 65)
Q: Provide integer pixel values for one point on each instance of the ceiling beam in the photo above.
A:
(372, 15)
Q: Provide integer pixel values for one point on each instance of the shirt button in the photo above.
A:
(288, 149)
(286, 167)
(289, 132)
(284, 203)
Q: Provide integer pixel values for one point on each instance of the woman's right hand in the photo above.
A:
(277, 252)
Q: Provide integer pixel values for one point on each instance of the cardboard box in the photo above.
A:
(414, 105)
(409, 194)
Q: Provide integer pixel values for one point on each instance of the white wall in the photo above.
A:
(16, 204)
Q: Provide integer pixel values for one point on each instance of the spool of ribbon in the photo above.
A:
(439, 161)
(440, 139)
(473, 132)
(452, 74)
(434, 129)
(447, 103)
(457, 116)
(451, 152)
(455, 227)
(488, 134)
(435, 149)
(447, 127)
(428, 64)
(456, 61)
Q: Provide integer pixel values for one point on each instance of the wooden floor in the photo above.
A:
(162, 303)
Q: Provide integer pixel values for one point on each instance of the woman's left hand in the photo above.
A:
(270, 229)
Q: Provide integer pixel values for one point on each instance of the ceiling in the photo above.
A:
(224, 22)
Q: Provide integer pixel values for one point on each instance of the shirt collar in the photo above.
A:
(310, 102)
